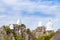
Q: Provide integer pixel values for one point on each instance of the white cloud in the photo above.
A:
(31, 7)
(2, 16)
(9, 2)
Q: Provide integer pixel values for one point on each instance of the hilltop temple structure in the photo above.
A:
(11, 26)
(41, 29)
(49, 27)
(20, 29)
(40, 23)
(18, 22)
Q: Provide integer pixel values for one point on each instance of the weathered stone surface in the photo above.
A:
(2, 30)
(39, 31)
(16, 28)
(10, 35)
(22, 31)
(1, 38)
(57, 36)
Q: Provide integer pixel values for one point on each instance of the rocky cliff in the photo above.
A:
(19, 32)
(56, 36)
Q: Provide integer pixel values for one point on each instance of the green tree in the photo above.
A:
(17, 37)
(7, 29)
(49, 36)
(23, 25)
(41, 38)
(46, 37)
(29, 33)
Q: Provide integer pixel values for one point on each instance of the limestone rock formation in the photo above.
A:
(2, 30)
(39, 31)
(1, 38)
(16, 28)
(57, 36)
(22, 32)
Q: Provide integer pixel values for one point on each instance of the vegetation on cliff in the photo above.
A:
(9, 35)
(46, 37)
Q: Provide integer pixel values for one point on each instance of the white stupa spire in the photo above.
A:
(18, 21)
(11, 26)
(49, 25)
(40, 23)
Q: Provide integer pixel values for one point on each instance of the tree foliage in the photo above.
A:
(18, 37)
(28, 31)
(7, 29)
(46, 37)
(23, 25)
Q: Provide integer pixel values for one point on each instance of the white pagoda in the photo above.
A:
(49, 26)
(40, 23)
(18, 21)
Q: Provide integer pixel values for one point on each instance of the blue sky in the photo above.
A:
(30, 12)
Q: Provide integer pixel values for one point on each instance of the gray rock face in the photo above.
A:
(2, 30)
(39, 31)
(10, 35)
(22, 31)
(57, 36)
(1, 38)
(16, 28)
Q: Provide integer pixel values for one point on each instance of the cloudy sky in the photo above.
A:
(30, 12)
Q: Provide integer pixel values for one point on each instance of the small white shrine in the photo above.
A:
(11, 26)
(49, 26)
(40, 23)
